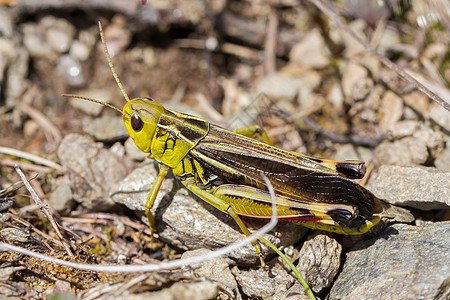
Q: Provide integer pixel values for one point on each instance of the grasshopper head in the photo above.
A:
(140, 116)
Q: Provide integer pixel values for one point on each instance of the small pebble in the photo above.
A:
(311, 52)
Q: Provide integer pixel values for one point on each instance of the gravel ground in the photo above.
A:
(284, 65)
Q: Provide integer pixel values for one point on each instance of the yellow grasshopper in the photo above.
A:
(224, 168)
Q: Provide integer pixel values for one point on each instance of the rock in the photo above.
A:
(189, 223)
(14, 62)
(30, 128)
(203, 290)
(311, 52)
(79, 51)
(216, 269)
(106, 128)
(35, 43)
(117, 35)
(91, 108)
(335, 96)
(352, 46)
(440, 116)
(133, 151)
(404, 152)
(352, 152)
(133, 190)
(58, 33)
(263, 284)
(278, 86)
(356, 83)
(418, 101)
(296, 292)
(6, 23)
(92, 170)
(7, 273)
(391, 110)
(17, 235)
(62, 286)
(434, 139)
(409, 150)
(389, 40)
(405, 128)
(61, 198)
(320, 259)
(405, 262)
(392, 214)
(442, 162)
(424, 188)
(70, 69)
(289, 84)
(371, 12)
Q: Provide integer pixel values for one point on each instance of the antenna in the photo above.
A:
(93, 100)
(108, 58)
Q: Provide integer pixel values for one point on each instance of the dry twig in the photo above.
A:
(44, 209)
(31, 157)
(270, 45)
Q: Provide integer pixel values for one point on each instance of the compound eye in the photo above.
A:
(136, 122)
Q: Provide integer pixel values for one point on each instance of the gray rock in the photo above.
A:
(283, 85)
(92, 170)
(405, 262)
(79, 51)
(190, 223)
(35, 43)
(106, 128)
(133, 151)
(311, 52)
(441, 116)
(70, 69)
(352, 47)
(352, 152)
(216, 269)
(404, 152)
(434, 139)
(356, 83)
(424, 188)
(418, 102)
(61, 198)
(335, 96)
(391, 110)
(13, 70)
(7, 273)
(405, 128)
(320, 259)
(6, 22)
(296, 292)
(16, 235)
(442, 162)
(203, 290)
(393, 214)
(58, 33)
(263, 284)
(133, 190)
(91, 108)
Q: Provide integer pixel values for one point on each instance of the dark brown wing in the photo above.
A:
(291, 174)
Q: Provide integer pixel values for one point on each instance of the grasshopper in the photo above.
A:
(224, 168)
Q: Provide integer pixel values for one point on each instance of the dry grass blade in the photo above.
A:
(52, 133)
(43, 208)
(13, 187)
(31, 157)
